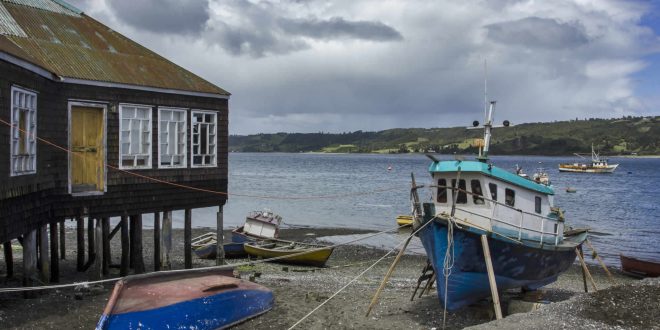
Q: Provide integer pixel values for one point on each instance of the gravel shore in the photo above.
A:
(625, 303)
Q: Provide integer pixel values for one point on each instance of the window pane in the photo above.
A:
(204, 139)
(22, 136)
(537, 204)
(493, 191)
(442, 191)
(509, 197)
(476, 192)
(461, 198)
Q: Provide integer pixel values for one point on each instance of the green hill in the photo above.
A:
(622, 136)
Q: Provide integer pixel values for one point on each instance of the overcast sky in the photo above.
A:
(346, 65)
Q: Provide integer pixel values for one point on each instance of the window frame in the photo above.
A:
(184, 111)
(442, 186)
(30, 138)
(461, 198)
(538, 204)
(513, 197)
(149, 162)
(192, 136)
(477, 197)
(492, 187)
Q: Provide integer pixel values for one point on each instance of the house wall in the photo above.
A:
(27, 201)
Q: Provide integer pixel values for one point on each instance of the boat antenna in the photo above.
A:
(485, 88)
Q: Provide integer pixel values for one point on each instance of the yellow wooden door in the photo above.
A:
(87, 161)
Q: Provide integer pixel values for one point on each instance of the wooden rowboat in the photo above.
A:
(403, 220)
(316, 255)
(639, 268)
(191, 299)
(205, 247)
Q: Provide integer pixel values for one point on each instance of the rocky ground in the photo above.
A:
(625, 303)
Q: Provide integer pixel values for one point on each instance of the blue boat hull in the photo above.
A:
(514, 265)
(232, 250)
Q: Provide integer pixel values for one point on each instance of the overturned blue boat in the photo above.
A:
(477, 207)
(191, 299)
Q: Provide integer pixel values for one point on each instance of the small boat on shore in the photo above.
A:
(258, 225)
(403, 220)
(570, 190)
(184, 300)
(597, 165)
(300, 253)
(639, 268)
(205, 247)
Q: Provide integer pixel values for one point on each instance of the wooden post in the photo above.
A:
(62, 240)
(44, 260)
(54, 253)
(125, 246)
(9, 259)
(80, 247)
(131, 236)
(491, 277)
(156, 241)
(91, 254)
(97, 267)
(166, 240)
(387, 276)
(29, 257)
(585, 270)
(602, 264)
(220, 249)
(187, 238)
(105, 237)
(578, 252)
(136, 249)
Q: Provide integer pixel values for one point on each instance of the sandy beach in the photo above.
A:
(624, 303)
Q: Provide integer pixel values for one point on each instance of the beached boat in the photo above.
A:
(183, 300)
(300, 253)
(403, 220)
(205, 247)
(640, 268)
(258, 225)
(478, 206)
(597, 165)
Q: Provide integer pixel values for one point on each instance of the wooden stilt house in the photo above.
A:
(93, 124)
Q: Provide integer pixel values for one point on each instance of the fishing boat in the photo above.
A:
(597, 165)
(639, 268)
(404, 220)
(258, 225)
(570, 190)
(205, 247)
(479, 207)
(290, 252)
(191, 299)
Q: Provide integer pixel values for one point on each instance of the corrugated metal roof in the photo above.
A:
(8, 25)
(49, 5)
(79, 47)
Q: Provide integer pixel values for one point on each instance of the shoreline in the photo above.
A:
(299, 289)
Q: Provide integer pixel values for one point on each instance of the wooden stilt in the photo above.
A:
(80, 247)
(166, 240)
(125, 246)
(62, 240)
(585, 270)
(156, 241)
(220, 251)
(9, 259)
(91, 254)
(105, 238)
(131, 234)
(602, 264)
(97, 267)
(374, 300)
(578, 251)
(491, 277)
(54, 253)
(136, 250)
(187, 239)
(44, 258)
(29, 259)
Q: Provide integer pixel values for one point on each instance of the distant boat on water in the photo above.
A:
(639, 268)
(403, 220)
(597, 165)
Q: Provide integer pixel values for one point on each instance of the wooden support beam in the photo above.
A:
(29, 259)
(579, 252)
(156, 241)
(54, 253)
(585, 270)
(114, 231)
(44, 259)
(125, 246)
(9, 259)
(131, 239)
(80, 246)
(91, 254)
(220, 249)
(491, 277)
(602, 264)
(62, 240)
(166, 241)
(97, 266)
(187, 239)
(387, 275)
(105, 238)
(136, 249)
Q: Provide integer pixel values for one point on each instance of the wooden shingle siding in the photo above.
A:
(27, 201)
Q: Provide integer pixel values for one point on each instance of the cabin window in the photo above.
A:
(172, 137)
(509, 197)
(23, 132)
(493, 191)
(442, 191)
(476, 192)
(135, 136)
(204, 138)
(462, 195)
(537, 204)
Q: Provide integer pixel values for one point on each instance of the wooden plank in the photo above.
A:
(585, 270)
(156, 241)
(62, 240)
(29, 257)
(220, 250)
(107, 256)
(125, 247)
(138, 260)
(9, 259)
(187, 239)
(91, 255)
(387, 275)
(80, 240)
(602, 264)
(54, 253)
(491, 277)
(166, 241)
(114, 231)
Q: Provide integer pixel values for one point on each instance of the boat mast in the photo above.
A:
(488, 125)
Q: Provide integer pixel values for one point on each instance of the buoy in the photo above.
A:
(389, 168)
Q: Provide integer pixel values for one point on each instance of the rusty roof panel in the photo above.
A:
(81, 48)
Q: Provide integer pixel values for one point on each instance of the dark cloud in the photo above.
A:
(538, 32)
(338, 27)
(163, 16)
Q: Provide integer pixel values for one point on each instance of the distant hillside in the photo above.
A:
(622, 136)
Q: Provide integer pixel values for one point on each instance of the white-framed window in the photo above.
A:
(23, 132)
(204, 126)
(135, 136)
(172, 138)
